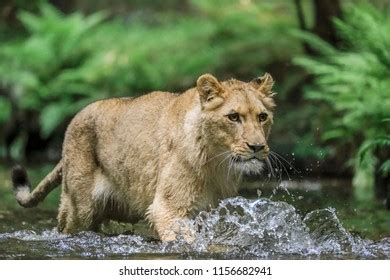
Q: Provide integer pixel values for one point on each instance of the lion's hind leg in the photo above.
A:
(78, 210)
(81, 207)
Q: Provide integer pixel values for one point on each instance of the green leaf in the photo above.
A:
(5, 109)
(52, 116)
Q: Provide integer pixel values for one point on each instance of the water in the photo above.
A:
(239, 228)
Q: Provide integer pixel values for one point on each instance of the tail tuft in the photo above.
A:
(22, 188)
(19, 177)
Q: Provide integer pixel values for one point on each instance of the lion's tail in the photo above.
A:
(22, 187)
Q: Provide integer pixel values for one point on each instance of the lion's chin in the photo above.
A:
(252, 166)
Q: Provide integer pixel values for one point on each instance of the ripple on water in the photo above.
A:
(237, 228)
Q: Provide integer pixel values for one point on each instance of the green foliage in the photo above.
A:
(5, 109)
(66, 61)
(46, 68)
(354, 82)
(366, 153)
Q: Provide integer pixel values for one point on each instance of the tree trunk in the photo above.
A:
(66, 6)
(381, 181)
(324, 12)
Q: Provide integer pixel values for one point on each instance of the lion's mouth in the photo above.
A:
(248, 165)
(240, 159)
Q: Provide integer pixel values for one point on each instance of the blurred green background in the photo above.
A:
(330, 60)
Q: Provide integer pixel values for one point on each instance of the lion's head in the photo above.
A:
(237, 119)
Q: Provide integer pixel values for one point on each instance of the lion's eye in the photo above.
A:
(234, 117)
(263, 117)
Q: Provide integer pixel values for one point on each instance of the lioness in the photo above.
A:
(161, 156)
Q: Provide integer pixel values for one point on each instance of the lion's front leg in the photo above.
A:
(171, 230)
(170, 221)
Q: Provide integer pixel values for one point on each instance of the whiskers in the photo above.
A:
(229, 160)
(229, 156)
(276, 164)
(270, 167)
(219, 155)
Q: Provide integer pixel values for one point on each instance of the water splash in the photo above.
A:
(237, 228)
(265, 228)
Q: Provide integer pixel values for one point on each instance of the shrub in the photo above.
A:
(354, 83)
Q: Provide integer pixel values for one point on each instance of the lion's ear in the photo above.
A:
(209, 88)
(264, 84)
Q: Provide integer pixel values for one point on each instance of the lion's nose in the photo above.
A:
(256, 147)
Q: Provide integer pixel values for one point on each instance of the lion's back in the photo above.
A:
(123, 122)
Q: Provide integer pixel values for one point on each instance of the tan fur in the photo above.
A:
(161, 156)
